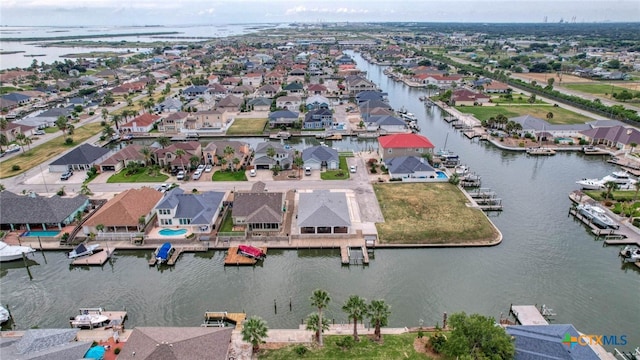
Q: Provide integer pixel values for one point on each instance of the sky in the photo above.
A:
(185, 12)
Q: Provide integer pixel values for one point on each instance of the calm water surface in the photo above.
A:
(546, 258)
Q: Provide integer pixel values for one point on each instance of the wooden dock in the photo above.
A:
(97, 259)
(176, 254)
(528, 315)
(218, 319)
(116, 319)
(354, 255)
(234, 258)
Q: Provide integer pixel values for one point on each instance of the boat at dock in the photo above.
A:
(4, 315)
(251, 252)
(541, 151)
(597, 216)
(408, 117)
(13, 252)
(621, 178)
(630, 253)
(281, 135)
(89, 318)
(164, 252)
(82, 250)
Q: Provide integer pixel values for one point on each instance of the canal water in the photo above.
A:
(546, 258)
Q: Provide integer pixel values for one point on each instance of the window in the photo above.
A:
(166, 222)
(390, 151)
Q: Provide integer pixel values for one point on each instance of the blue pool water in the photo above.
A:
(441, 175)
(171, 232)
(41, 233)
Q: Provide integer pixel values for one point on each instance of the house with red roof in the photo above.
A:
(140, 124)
(391, 146)
(496, 87)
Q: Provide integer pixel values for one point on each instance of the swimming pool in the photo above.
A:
(441, 175)
(41, 233)
(564, 140)
(171, 232)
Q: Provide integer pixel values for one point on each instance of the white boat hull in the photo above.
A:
(590, 184)
(12, 253)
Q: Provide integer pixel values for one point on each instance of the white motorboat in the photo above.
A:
(461, 170)
(4, 315)
(13, 252)
(82, 250)
(630, 253)
(597, 216)
(89, 318)
(621, 178)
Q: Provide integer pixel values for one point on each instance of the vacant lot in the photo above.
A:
(247, 126)
(434, 213)
(560, 115)
(142, 176)
(604, 90)
(41, 153)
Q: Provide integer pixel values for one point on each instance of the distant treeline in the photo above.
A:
(94, 36)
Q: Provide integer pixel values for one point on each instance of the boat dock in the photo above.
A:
(354, 255)
(116, 318)
(608, 234)
(486, 200)
(218, 319)
(176, 254)
(97, 259)
(234, 258)
(527, 315)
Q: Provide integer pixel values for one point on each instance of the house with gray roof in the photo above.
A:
(283, 157)
(369, 96)
(82, 157)
(323, 212)
(533, 125)
(534, 342)
(195, 212)
(169, 105)
(317, 102)
(318, 119)
(321, 157)
(194, 91)
(41, 344)
(177, 343)
(47, 118)
(388, 123)
(620, 137)
(34, 212)
(410, 168)
(259, 210)
(283, 118)
(260, 104)
(21, 99)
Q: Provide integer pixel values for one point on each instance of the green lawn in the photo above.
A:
(340, 174)
(560, 116)
(392, 347)
(229, 176)
(430, 213)
(516, 99)
(596, 89)
(8, 89)
(227, 223)
(140, 177)
(51, 130)
(247, 126)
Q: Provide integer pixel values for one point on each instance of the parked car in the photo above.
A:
(66, 175)
(200, 168)
(208, 168)
(353, 169)
(196, 175)
(307, 170)
(180, 175)
(39, 132)
(252, 172)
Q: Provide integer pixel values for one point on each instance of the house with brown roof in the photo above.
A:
(258, 210)
(465, 97)
(230, 103)
(214, 152)
(177, 343)
(496, 87)
(173, 122)
(274, 77)
(290, 102)
(128, 212)
(620, 137)
(268, 90)
(14, 129)
(316, 89)
(122, 158)
(167, 156)
(140, 124)
(442, 81)
(213, 119)
(230, 82)
(252, 79)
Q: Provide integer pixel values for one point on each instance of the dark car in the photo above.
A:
(66, 175)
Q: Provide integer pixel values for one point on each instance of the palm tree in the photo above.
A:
(179, 154)
(254, 331)
(235, 161)
(194, 161)
(378, 313)
(3, 141)
(146, 154)
(27, 141)
(320, 299)
(20, 140)
(356, 308)
(228, 153)
(163, 141)
(116, 121)
(70, 130)
(105, 114)
(299, 162)
(610, 186)
(312, 324)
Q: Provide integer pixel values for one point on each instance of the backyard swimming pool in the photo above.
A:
(41, 233)
(441, 175)
(171, 232)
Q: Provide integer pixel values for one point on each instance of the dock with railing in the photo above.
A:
(97, 259)
(354, 255)
(221, 318)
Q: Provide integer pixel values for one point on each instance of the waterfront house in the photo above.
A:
(323, 212)
(213, 119)
(536, 126)
(173, 122)
(195, 212)
(128, 212)
(258, 210)
(120, 160)
(260, 104)
(140, 124)
(214, 152)
(317, 102)
(620, 137)
(167, 157)
(169, 105)
(386, 123)
(410, 168)
(466, 97)
(547, 342)
(321, 157)
(179, 343)
(318, 119)
(283, 157)
(35, 212)
(230, 103)
(50, 344)
(442, 81)
(282, 118)
(288, 102)
(391, 146)
(356, 84)
(364, 96)
(82, 158)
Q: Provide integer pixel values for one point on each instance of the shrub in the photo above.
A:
(300, 350)
(373, 170)
(420, 334)
(521, 144)
(15, 167)
(68, 141)
(528, 135)
(345, 343)
(372, 162)
(65, 237)
(437, 342)
(116, 351)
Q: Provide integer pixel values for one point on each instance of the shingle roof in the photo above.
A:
(50, 344)
(126, 208)
(286, 114)
(128, 153)
(385, 120)
(83, 154)
(16, 97)
(200, 208)
(320, 153)
(323, 208)
(259, 207)
(404, 141)
(18, 209)
(407, 165)
(177, 343)
(534, 342)
(618, 134)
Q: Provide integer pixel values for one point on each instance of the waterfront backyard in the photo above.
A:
(560, 116)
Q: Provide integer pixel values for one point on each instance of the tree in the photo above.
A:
(194, 161)
(356, 308)
(477, 337)
(235, 162)
(228, 153)
(320, 299)
(312, 324)
(70, 130)
(147, 154)
(62, 123)
(115, 119)
(532, 99)
(254, 331)
(378, 313)
(179, 154)
(610, 186)
(632, 146)
(163, 141)
(299, 162)
(549, 115)
(3, 141)
(20, 140)
(105, 114)
(637, 186)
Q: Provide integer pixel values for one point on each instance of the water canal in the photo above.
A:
(546, 258)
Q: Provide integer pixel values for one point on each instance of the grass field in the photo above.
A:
(560, 115)
(247, 126)
(140, 177)
(229, 176)
(435, 213)
(596, 89)
(392, 347)
(41, 153)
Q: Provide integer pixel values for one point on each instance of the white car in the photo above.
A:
(252, 172)
(200, 168)
(196, 175)
(208, 168)
(353, 169)
(180, 175)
